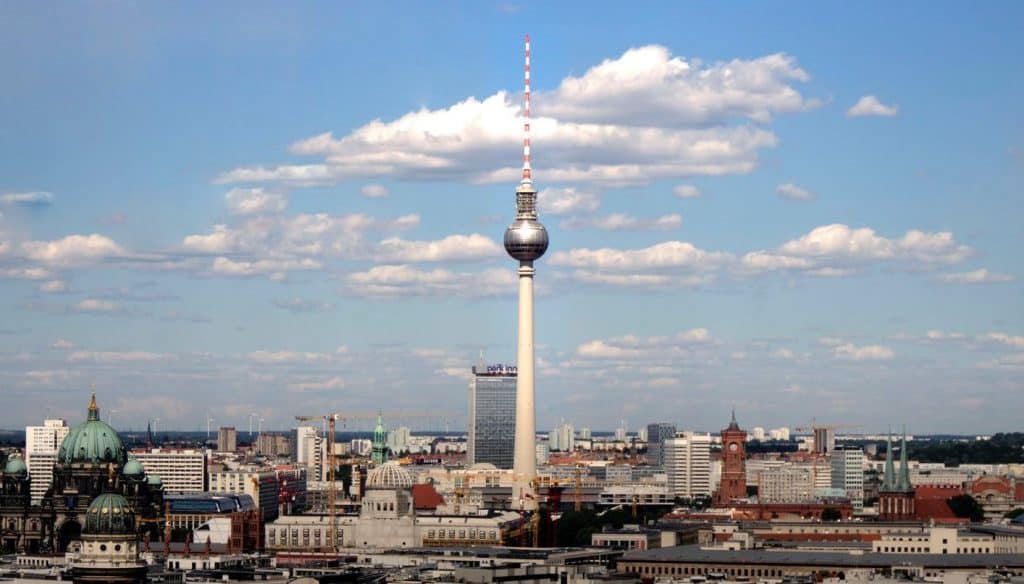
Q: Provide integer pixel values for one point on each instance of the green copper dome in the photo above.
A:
(155, 481)
(15, 467)
(92, 441)
(133, 469)
(109, 514)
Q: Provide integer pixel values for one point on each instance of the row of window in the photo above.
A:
(473, 534)
(704, 570)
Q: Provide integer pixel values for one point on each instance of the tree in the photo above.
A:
(966, 506)
(831, 514)
(1014, 513)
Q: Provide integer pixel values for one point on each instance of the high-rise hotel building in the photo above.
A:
(492, 415)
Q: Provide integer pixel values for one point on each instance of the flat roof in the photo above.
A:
(694, 554)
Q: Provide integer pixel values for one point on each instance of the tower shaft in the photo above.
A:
(525, 460)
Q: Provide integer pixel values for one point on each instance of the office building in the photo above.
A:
(227, 439)
(657, 433)
(492, 415)
(273, 444)
(824, 439)
(180, 471)
(848, 474)
(757, 433)
(786, 484)
(586, 434)
(261, 486)
(309, 451)
(688, 464)
(41, 444)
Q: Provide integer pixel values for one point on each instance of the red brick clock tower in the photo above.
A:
(734, 471)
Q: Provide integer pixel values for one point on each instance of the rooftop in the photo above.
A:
(694, 554)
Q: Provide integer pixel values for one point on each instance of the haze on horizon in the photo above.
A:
(802, 211)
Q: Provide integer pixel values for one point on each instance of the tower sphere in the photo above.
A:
(526, 240)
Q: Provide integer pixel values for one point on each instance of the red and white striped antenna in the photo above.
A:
(527, 177)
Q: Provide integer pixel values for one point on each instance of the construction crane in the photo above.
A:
(329, 422)
(578, 487)
(332, 491)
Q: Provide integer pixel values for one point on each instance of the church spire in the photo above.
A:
(903, 483)
(889, 479)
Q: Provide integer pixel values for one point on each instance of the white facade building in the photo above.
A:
(388, 519)
(562, 439)
(848, 474)
(756, 433)
(181, 471)
(41, 445)
(787, 484)
(688, 464)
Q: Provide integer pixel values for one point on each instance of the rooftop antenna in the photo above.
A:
(527, 176)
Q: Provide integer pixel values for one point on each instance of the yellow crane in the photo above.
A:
(329, 461)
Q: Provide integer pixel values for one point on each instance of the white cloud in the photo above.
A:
(648, 86)
(641, 280)
(256, 200)
(275, 268)
(277, 357)
(98, 306)
(392, 281)
(830, 341)
(53, 287)
(298, 305)
(623, 222)
(869, 105)
(304, 234)
(120, 356)
(1014, 341)
(642, 116)
(980, 276)
(841, 247)
(62, 345)
(374, 191)
(784, 354)
(566, 201)
(26, 273)
(851, 352)
(27, 199)
(686, 191)
(73, 250)
(319, 385)
(668, 254)
(451, 248)
(792, 192)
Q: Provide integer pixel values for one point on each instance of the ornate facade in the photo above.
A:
(91, 460)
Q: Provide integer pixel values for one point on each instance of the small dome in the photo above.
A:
(15, 467)
(133, 469)
(155, 481)
(92, 441)
(109, 514)
(389, 475)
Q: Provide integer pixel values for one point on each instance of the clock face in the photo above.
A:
(733, 447)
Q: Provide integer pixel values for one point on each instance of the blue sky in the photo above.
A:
(802, 210)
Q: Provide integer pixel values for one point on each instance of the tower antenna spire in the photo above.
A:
(527, 175)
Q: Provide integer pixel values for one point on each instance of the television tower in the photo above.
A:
(525, 240)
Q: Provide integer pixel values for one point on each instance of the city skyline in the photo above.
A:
(281, 213)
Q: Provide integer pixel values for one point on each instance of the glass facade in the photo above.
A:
(492, 416)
